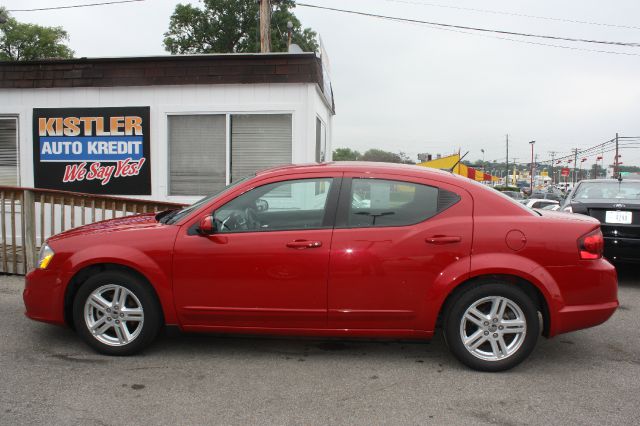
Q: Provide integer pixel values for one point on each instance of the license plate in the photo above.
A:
(618, 217)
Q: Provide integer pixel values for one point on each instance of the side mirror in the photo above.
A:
(207, 225)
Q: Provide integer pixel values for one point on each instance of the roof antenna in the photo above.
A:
(450, 170)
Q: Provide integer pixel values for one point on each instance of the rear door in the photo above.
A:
(394, 236)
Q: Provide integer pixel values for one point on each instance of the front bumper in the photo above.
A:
(43, 296)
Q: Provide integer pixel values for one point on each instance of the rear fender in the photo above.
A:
(493, 264)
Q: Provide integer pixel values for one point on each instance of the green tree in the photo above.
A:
(231, 26)
(405, 159)
(630, 169)
(28, 42)
(345, 154)
(381, 155)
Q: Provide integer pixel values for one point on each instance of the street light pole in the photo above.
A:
(532, 143)
(289, 34)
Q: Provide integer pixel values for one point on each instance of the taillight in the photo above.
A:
(591, 245)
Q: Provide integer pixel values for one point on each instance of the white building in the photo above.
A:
(168, 128)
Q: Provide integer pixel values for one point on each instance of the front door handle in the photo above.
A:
(443, 239)
(304, 244)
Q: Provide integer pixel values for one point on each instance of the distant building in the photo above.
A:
(168, 127)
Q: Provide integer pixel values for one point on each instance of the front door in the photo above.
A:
(267, 264)
(394, 238)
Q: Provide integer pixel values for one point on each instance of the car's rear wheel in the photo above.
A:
(492, 326)
(116, 313)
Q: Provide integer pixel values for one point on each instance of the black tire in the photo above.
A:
(454, 327)
(141, 290)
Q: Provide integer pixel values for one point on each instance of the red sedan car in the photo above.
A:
(338, 249)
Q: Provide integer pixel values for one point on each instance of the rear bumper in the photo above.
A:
(43, 296)
(589, 296)
(622, 249)
(571, 318)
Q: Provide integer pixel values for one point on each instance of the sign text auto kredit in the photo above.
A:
(94, 150)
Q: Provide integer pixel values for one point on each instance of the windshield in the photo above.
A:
(179, 214)
(608, 190)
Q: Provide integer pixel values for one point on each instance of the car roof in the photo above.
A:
(358, 166)
(607, 180)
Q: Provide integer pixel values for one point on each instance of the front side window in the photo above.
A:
(377, 202)
(279, 206)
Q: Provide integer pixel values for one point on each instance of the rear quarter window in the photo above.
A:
(381, 202)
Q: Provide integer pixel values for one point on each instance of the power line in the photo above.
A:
(74, 6)
(463, 27)
(521, 15)
(535, 43)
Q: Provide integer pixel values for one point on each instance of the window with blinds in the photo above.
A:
(259, 141)
(9, 151)
(321, 141)
(197, 154)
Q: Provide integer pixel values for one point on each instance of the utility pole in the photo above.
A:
(507, 176)
(553, 162)
(575, 161)
(265, 26)
(615, 167)
(532, 143)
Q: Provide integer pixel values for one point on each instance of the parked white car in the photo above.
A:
(539, 203)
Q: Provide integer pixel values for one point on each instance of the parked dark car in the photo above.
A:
(616, 204)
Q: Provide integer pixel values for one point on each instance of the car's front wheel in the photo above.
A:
(492, 326)
(116, 313)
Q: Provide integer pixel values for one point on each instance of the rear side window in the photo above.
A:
(379, 202)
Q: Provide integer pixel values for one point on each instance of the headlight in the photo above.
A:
(46, 254)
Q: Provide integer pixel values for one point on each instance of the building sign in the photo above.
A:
(93, 150)
(564, 172)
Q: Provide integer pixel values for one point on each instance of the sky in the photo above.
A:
(417, 89)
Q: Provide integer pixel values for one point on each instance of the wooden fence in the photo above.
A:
(28, 216)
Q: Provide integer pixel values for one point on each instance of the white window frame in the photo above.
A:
(228, 115)
(324, 124)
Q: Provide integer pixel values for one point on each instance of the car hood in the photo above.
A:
(126, 223)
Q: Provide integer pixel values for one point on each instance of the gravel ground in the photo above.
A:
(48, 376)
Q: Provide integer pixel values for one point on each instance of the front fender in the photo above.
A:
(156, 270)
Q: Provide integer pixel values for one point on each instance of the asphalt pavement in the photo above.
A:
(48, 376)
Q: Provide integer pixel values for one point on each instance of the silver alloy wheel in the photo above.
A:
(113, 315)
(493, 328)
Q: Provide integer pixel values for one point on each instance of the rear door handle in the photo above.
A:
(304, 244)
(443, 239)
